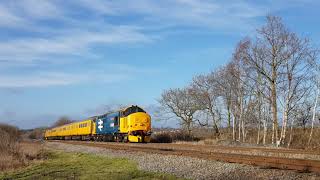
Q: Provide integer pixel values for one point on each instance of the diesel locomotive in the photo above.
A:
(131, 124)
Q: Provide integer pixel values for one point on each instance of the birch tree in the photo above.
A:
(297, 80)
(317, 81)
(277, 55)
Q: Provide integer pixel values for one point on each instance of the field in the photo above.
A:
(60, 165)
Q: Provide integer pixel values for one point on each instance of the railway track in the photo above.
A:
(241, 155)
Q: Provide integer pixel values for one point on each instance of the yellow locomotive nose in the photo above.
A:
(139, 122)
(135, 124)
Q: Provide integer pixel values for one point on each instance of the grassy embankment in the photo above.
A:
(60, 165)
(24, 159)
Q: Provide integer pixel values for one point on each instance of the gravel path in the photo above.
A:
(187, 167)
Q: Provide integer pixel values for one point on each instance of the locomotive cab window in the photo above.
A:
(131, 110)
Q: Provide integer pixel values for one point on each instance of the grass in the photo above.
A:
(61, 165)
(24, 154)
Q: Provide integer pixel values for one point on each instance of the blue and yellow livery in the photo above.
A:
(131, 124)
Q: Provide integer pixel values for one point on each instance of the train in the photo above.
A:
(130, 124)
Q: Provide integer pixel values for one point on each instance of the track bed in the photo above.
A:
(304, 161)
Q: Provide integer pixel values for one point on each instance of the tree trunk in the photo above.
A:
(265, 130)
(259, 106)
(259, 119)
(274, 112)
(259, 126)
(287, 105)
(233, 128)
(215, 126)
(284, 121)
(239, 130)
(272, 137)
(241, 125)
(229, 116)
(291, 133)
(188, 126)
(243, 131)
(313, 116)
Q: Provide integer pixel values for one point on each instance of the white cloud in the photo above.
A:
(106, 74)
(205, 13)
(76, 35)
(46, 79)
(8, 19)
(28, 50)
(59, 32)
(43, 9)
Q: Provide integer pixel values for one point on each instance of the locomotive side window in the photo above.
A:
(116, 121)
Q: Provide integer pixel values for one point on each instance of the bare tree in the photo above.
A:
(302, 116)
(267, 51)
(268, 81)
(300, 60)
(226, 81)
(313, 116)
(206, 94)
(278, 56)
(182, 103)
(62, 121)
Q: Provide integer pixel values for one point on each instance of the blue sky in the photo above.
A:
(73, 57)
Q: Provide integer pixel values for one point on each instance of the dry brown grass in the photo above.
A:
(9, 137)
(13, 152)
(300, 137)
(25, 153)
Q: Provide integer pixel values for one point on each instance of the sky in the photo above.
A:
(72, 58)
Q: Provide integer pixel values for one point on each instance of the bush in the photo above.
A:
(9, 137)
(169, 137)
(161, 138)
(183, 136)
(13, 152)
(36, 134)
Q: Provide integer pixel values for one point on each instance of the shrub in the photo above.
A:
(36, 134)
(9, 137)
(13, 152)
(161, 138)
(183, 136)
